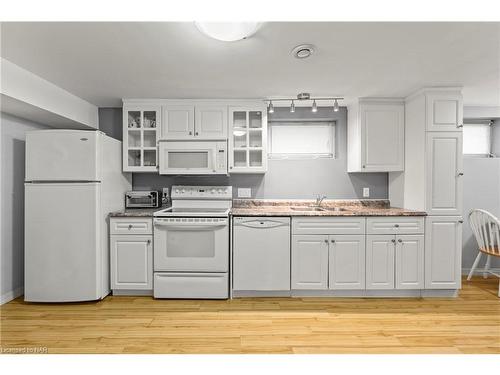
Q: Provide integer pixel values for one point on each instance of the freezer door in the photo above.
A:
(62, 247)
(63, 155)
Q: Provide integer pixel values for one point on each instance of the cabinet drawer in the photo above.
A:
(191, 285)
(328, 225)
(395, 225)
(131, 225)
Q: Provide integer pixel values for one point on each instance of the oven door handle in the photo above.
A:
(190, 226)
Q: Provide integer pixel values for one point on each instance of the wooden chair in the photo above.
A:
(486, 229)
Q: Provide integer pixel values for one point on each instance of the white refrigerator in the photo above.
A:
(73, 180)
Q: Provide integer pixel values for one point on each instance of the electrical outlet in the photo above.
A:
(366, 192)
(244, 192)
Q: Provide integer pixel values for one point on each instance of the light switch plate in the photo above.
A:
(366, 192)
(244, 192)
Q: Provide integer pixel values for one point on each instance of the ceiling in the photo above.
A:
(104, 62)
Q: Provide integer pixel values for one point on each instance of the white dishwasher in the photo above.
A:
(261, 253)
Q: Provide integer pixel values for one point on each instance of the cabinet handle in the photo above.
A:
(460, 174)
(400, 240)
(393, 241)
(460, 221)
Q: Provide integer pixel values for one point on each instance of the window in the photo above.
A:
(305, 140)
(477, 139)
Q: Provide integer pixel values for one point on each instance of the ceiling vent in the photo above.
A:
(303, 51)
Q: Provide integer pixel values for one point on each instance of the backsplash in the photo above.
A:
(294, 179)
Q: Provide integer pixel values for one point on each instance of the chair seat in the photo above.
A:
(494, 251)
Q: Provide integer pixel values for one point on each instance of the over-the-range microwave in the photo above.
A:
(192, 157)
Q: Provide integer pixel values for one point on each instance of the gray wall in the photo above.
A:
(285, 178)
(495, 138)
(481, 190)
(13, 135)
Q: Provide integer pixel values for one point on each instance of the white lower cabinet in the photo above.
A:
(346, 262)
(409, 262)
(328, 262)
(309, 262)
(380, 261)
(443, 251)
(131, 262)
(395, 262)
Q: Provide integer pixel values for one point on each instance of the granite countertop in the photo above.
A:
(136, 212)
(348, 207)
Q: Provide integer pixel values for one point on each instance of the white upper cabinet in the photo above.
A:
(141, 130)
(444, 111)
(178, 121)
(444, 173)
(376, 136)
(248, 139)
(210, 122)
(194, 121)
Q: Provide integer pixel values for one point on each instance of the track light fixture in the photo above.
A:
(302, 97)
(270, 108)
(335, 106)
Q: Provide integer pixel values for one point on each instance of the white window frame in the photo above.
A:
(291, 156)
(479, 123)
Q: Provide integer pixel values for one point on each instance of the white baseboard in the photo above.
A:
(479, 270)
(13, 294)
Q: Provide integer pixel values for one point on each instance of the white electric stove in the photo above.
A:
(191, 243)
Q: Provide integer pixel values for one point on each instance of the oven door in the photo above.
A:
(192, 157)
(191, 244)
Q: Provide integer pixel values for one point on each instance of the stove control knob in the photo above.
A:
(220, 191)
(176, 191)
(183, 191)
(212, 191)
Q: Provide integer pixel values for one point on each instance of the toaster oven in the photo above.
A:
(142, 199)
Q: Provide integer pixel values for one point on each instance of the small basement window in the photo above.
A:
(477, 139)
(301, 140)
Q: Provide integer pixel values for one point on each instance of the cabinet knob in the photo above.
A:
(130, 226)
(460, 221)
(393, 241)
(149, 242)
(400, 240)
(364, 166)
(196, 133)
(326, 241)
(459, 174)
(190, 133)
(332, 241)
(231, 167)
(460, 126)
(396, 225)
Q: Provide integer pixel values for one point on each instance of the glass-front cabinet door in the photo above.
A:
(247, 139)
(140, 138)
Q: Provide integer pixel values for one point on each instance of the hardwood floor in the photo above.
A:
(467, 324)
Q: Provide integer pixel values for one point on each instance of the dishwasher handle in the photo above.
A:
(264, 224)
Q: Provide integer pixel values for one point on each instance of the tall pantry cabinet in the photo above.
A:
(432, 179)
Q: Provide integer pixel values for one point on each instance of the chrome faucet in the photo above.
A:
(319, 200)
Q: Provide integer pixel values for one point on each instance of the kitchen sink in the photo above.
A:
(306, 208)
(335, 209)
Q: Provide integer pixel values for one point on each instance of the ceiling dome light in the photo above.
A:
(228, 31)
(303, 51)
